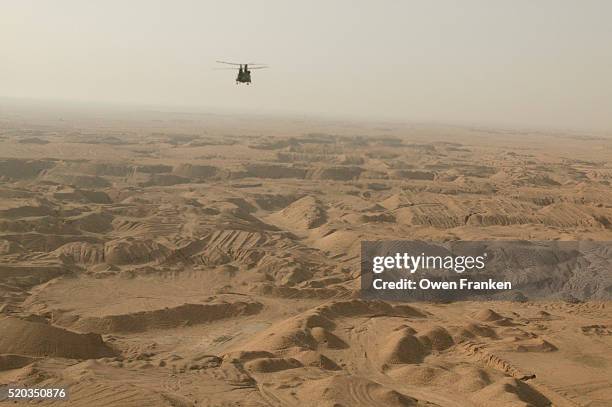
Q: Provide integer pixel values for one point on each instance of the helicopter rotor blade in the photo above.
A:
(236, 69)
(228, 63)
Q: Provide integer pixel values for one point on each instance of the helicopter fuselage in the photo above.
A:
(244, 75)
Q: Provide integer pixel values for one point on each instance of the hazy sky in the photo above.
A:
(525, 62)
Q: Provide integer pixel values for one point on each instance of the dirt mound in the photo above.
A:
(293, 157)
(434, 215)
(511, 392)
(96, 168)
(245, 356)
(345, 242)
(9, 362)
(82, 252)
(336, 309)
(23, 169)
(597, 330)
(344, 159)
(196, 171)
(497, 219)
(242, 206)
(154, 168)
(78, 180)
(480, 330)
(338, 173)
(269, 365)
(305, 213)
(423, 375)
(273, 144)
(94, 222)
(164, 180)
(272, 171)
(271, 202)
(39, 242)
(292, 292)
(27, 210)
(82, 196)
(27, 338)
(436, 338)
(342, 390)
(572, 215)
(487, 315)
(401, 347)
(410, 174)
(183, 315)
(243, 246)
(396, 201)
(42, 224)
(327, 339)
(134, 251)
(536, 345)
(375, 218)
(28, 275)
(316, 359)
(313, 329)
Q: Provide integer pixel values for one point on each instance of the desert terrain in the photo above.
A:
(170, 259)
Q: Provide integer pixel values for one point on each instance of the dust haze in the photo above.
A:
(542, 63)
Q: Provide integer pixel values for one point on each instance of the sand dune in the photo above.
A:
(152, 264)
(27, 338)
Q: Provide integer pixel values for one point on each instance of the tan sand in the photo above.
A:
(199, 262)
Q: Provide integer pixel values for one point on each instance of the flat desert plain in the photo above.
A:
(170, 259)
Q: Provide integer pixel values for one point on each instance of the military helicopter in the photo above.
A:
(244, 70)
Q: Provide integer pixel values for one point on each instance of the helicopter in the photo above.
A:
(244, 70)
